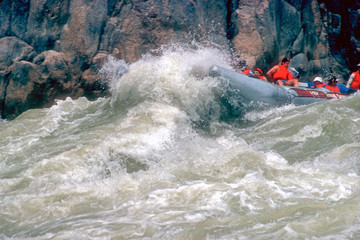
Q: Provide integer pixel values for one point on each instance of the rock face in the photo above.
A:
(52, 49)
(315, 35)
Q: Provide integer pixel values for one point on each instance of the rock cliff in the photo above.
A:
(52, 49)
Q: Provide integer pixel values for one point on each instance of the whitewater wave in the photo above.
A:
(165, 157)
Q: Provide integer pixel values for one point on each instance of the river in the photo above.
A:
(168, 156)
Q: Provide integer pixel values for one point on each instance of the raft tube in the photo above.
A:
(255, 91)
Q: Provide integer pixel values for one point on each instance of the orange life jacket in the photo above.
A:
(282, 74)
(333, 89)
(356, 82)
(263, 78)
(320, 85)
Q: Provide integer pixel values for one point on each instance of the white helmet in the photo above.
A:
(318, 79)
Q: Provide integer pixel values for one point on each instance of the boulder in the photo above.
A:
(23, 87)
(12, 50)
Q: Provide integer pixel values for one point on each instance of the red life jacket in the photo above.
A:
(247, 71)
(333, 89)
(282, 74)
(356, 82)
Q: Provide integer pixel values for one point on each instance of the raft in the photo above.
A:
(253, 91)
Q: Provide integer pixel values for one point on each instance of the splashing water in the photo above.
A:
(113, 69)
(141, 165)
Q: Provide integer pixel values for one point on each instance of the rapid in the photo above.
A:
(170, 156)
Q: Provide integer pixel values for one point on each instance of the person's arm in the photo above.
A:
(351, 79)
(271, 72)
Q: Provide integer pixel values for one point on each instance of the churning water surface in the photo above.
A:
(168, 156)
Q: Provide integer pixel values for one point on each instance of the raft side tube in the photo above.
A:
(253, 89)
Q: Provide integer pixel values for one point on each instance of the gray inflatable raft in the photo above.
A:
(255, 91)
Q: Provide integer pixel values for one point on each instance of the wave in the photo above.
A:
(169, 149)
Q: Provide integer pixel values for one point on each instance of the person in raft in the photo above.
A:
(354, 79)
(246, 71)
(258, 73)
(280, 74)
(332, 85)
(241, 66)
(318, 82)
(238, 63)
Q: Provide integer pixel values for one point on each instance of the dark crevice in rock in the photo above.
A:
(231, 29)
(340, 27)
(3, 97)
(19, 17)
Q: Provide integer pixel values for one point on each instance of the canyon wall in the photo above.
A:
(53, 49)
